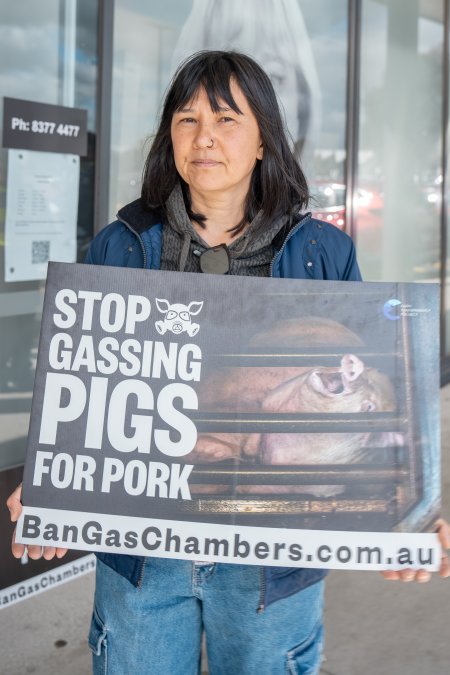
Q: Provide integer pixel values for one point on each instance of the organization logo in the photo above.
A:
(394, 309)
(391, 309)
(177, 317)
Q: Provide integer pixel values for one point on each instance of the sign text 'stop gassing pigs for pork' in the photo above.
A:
(178, 317)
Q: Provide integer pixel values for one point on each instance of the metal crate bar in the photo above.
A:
(296, 422)
(321, 474)
(256, 506)
(311, 358)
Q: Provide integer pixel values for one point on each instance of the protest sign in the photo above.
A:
(235, 419)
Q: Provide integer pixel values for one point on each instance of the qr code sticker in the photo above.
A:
(40, 252)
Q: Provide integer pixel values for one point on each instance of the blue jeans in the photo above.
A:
(157, 628)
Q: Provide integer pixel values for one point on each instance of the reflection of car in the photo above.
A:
(329, 199)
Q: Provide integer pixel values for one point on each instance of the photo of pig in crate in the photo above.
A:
(326, 432)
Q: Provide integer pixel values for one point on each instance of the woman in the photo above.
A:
(222, 192)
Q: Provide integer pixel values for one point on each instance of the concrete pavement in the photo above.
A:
(373, 627)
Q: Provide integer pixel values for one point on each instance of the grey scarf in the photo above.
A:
(182, 245)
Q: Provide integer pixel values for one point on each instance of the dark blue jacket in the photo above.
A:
(312, 250)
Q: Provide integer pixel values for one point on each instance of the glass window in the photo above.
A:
(397, 200)
(327, 26)
(62, 71)
(445, 347)
(301, 43)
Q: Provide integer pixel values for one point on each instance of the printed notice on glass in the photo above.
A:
(41, 212)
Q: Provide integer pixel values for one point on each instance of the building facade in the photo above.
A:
(364, 85)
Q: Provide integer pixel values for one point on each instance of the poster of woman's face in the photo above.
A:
(274, 34)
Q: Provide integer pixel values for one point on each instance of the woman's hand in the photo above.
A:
(34, 552)
(443, 530)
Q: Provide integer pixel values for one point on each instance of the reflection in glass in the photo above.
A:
(398, 198)
(63, 70)
(141, 71)
(274, 33)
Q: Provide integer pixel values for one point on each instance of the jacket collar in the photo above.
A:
(139, 218)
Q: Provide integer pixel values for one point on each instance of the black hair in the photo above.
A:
(277, 185)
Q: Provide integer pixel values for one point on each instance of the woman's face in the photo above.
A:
(215, 152)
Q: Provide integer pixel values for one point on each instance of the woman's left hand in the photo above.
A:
(443, 530)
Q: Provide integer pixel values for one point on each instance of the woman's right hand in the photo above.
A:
(34, 552)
